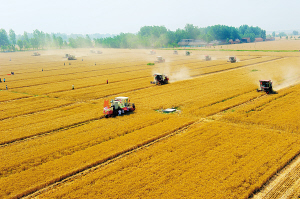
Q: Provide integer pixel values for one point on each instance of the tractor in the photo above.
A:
(187, 53)
(36, 54)
(207, 58)
(266, 86)
(175, 52)
(152, 52)
(71, 57)
(119, 106)
(231, 59)
(159, 59)
(160, 79)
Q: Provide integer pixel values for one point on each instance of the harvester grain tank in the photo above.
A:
(175, 52)
(187, 53)
(36, 54)
(160, 79)
(266, 86)
(207, 58)
(231, 59)
(159, 59)
(118, 106)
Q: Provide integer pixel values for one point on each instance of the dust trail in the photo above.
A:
(290, 77)
(174, 74)
(182, 74)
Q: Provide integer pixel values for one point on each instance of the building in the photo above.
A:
(245, 40)
(259, 39)
(237, 41)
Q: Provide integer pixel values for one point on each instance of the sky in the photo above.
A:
(128, 16)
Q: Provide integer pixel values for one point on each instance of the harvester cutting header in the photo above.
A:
(119, 106)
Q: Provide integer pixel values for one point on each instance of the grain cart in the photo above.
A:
(71, 57)
(160, 79)
(187, 53)
(231, 59)
(118, 106)
(152, 52)
(207, 58)
(36, 54)
(175, 52)
(266, 86)
(159, 59)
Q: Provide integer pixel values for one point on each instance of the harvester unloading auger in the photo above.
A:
(160, 79)
(119, 106)
(266, 86)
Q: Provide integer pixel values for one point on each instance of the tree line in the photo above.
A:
(148, 36)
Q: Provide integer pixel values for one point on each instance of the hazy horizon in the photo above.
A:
(104, 17)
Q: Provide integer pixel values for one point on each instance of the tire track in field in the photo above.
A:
(101, 163)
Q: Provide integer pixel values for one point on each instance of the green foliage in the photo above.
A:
(3, 39)
(20, 44)
(295, 32)
(12, 36)
(150, 64)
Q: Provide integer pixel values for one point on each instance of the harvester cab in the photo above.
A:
(152, 52)
(232, 59)
(266, 86)
(36, 54)
(160, 79)
(71, 57)
(119, 106)
(187, 53)
(207, 58)
(159, 59)
(175, 52)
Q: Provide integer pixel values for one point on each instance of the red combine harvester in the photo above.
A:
(266, 86)
(152, 52)
(119, 106)
(207, 58)
(160, 79)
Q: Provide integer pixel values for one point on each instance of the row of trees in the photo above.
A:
(148, 36)
(160, 36)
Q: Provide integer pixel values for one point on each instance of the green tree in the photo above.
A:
(12, 36)
(295, 32)
(20, 44)
(3, 39)
(273, 34)
(60, 41)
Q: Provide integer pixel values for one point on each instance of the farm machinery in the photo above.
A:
(160, 79)
(231, 59)
(98, 52)
(119, 106)
(159, 59)
(71, 57)
(266, 86)
(207, 58)
(175, 52)
(152, 52)
(36, 54)
(187, 53)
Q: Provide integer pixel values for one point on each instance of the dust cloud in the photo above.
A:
(178, 74)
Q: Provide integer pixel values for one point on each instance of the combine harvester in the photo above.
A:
(71, 57)
(175, 52)
(187, 53)
(152, 52)
(36, 54)
(266, 86)
(231, 59)
(160, 79)
(159, 59)
(119, 106)
(207, 58)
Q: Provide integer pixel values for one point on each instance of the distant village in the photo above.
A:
(202, 43)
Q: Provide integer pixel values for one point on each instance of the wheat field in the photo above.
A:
(225, 141)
